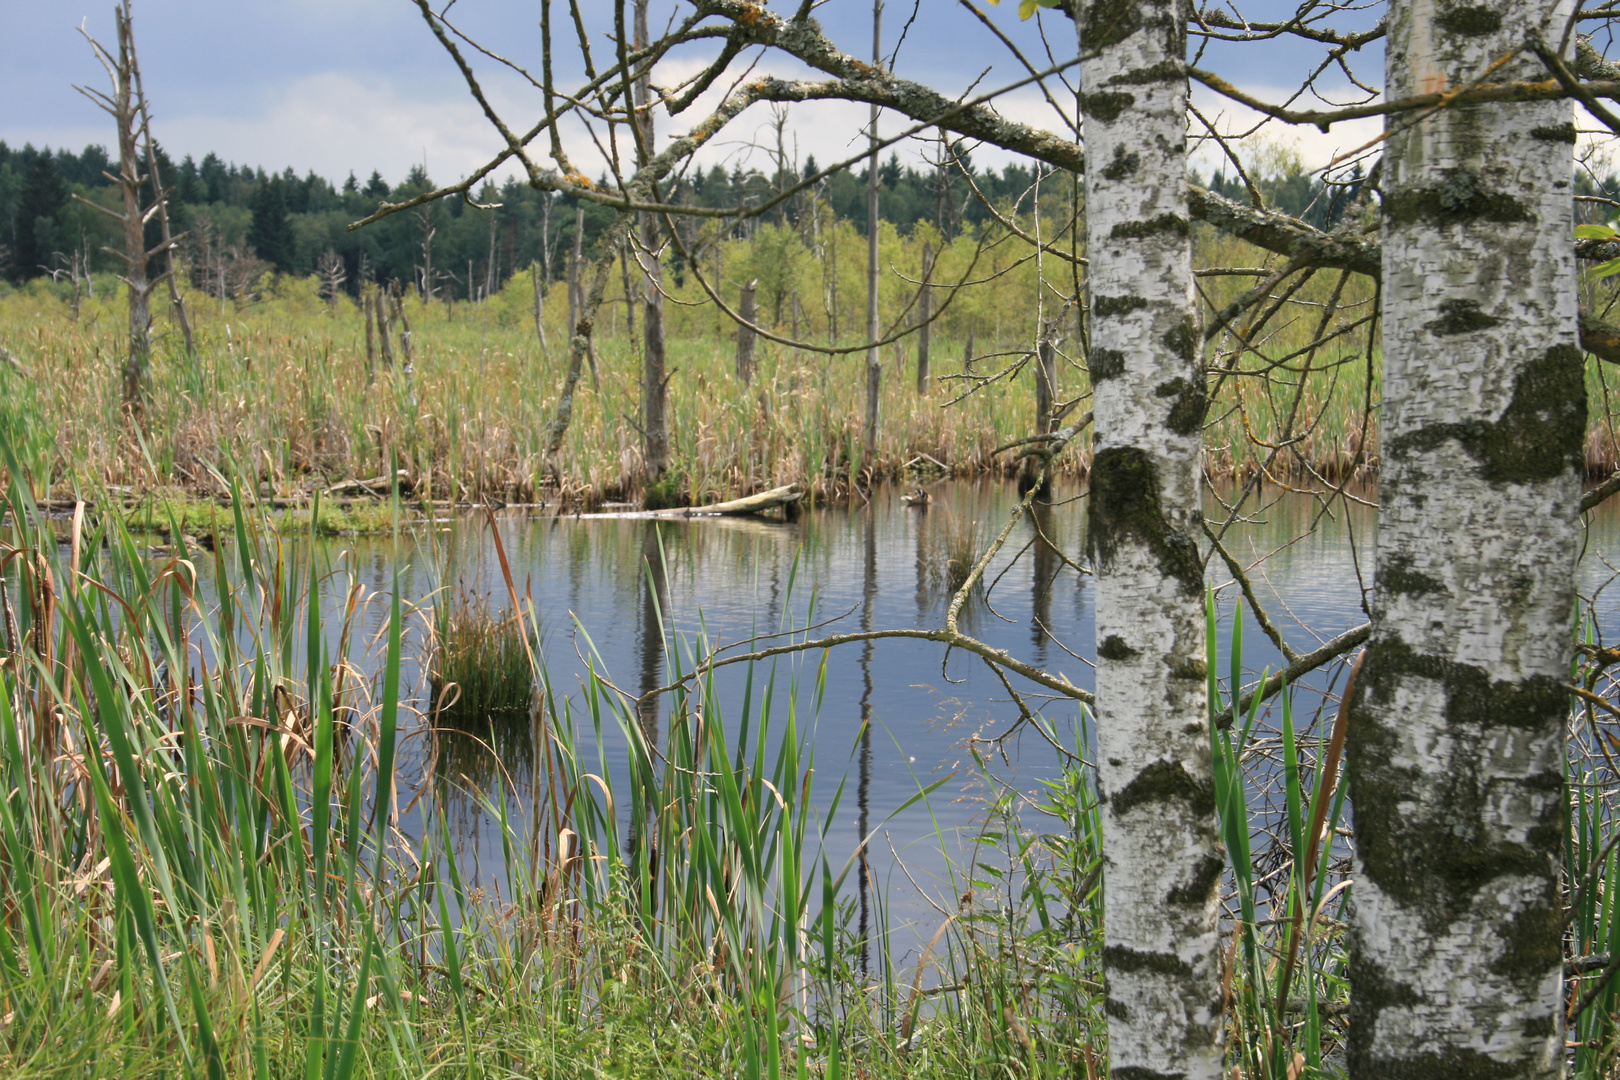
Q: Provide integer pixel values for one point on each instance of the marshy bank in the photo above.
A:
(296, 801)
(280, 398)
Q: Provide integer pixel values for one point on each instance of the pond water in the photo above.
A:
(894, 715)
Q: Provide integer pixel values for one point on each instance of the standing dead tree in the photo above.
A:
(745, 332)
(654, 379)
(126, 105)
(874, 221)
(925, 319)
(167, 239)
(330, 270)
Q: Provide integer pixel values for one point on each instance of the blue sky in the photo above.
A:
(335, 85)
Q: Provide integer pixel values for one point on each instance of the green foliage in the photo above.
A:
(481, 663)
(208, 873)
(1291, 984)
(666, 493)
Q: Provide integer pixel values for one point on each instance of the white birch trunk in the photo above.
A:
(1162, 859)
(1457, 725)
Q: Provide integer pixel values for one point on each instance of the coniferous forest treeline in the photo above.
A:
(242, 222)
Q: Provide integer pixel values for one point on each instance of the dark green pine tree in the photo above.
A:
(376, 187)
(215, 178)
(271, 232)
(39, 218)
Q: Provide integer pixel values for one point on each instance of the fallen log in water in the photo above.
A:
(751, 504)
(378, 485)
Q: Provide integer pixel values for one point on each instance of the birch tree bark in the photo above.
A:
(1161, 855)
(1458, 718)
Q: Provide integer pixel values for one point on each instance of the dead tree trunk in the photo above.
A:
(124, 106)
(1033, 470)
(575, 256)
(925, 317)
(745, 334)
(540, 307)
(404, 327)
(629, 293)
(168, 240)
(367, 308)
(874, 363)
(379, 307)
(654, 381)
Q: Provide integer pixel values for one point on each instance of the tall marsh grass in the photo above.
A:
(481, 662)
(215, 864)
(278, 393)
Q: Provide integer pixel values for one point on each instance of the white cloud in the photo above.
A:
(333, 123)
(1315, 147)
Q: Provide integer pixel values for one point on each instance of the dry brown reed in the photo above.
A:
(278, 396)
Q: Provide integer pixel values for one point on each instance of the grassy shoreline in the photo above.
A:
(213, 867)
(278, 398)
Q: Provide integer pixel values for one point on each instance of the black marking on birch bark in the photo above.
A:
(1192, 402)
(1170, 70)
(1204, 880)
(1123, 959)
(1372, 990)
(1114, 648)
(1564, 133)
(1470, 21)
(1109, 22)
(1106, 364)
(1104, 307)
(1397, 576)
(1435, 859)
(1456, 199)
(1183, 340)
(1174, 224)
(1107, 107)
(1453, 1063)
(1124, 508)
(1533, 944)
(1123, 164)
(1161, 782)
(1196, 669)
(1461, 317)
(1540, 433)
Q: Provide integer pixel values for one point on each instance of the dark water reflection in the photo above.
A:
(637, 596)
